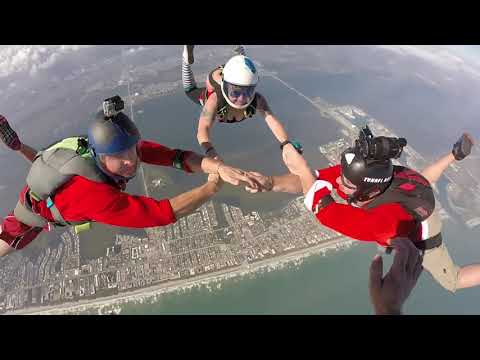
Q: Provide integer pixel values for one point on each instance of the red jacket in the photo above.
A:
(379, 224)
(81, 199)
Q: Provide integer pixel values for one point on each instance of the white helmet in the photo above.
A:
(240, 77)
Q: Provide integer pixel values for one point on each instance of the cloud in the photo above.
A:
(32, 58)
(132, 51)
(450, 58)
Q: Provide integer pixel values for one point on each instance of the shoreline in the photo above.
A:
(139, 295)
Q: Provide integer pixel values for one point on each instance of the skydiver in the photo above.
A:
(81, 179)
(229, 96)
(384, 202)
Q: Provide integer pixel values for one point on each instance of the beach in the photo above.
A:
(141, 295)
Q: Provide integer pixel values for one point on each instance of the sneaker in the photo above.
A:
(239, 50)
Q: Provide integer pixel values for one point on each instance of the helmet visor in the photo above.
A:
(239, 95)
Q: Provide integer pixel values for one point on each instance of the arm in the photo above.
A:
(433, 172)
(10, 138)
(461, 149)
(85, 200)
(189, 161)
(103, 203)
(156, 154)
(288, 183)
(205, 123)
(27, 152)
(297, 165)
(388, 293)
(273, 123)
(187, 202)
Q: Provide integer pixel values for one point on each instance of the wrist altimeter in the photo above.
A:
(296, 144)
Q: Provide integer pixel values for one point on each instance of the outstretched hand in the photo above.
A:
(235, 176)
(264, 183)
(389, 292)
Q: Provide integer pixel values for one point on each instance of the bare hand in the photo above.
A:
(235, 176)
(295, 162)
(390, 292)
(264, 183)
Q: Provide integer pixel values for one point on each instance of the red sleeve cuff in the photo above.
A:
(170, 217)
(184, 163)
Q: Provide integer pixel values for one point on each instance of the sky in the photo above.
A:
(32, 59)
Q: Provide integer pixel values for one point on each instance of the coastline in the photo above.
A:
(139, 295)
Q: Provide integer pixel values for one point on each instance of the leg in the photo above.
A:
(188, 80)
(469, 276)
(193, 92)
(439, 264)
(15, 235)
(10, 138)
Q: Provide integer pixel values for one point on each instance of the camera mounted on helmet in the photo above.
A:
(380, 147)
(112, 106)
(368, 164)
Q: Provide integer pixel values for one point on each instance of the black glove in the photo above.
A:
(8, 136)
(463, 147)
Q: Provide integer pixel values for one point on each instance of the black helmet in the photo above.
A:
(371, 177)
(113, 134)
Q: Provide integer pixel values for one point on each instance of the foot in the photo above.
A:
(188, 54)
(463, 147)
(8, 136)
(239, 50)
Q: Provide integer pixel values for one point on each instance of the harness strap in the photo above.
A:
(430, 243)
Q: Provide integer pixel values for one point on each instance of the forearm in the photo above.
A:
(27, 152)
(186, 203)
(433, 172)
(276, 127)
(288, 183)
(198, 163)
(203, 136)
(205, 123)
(306, 179)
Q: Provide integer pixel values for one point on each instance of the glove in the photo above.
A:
(8, 136)
(463, 147)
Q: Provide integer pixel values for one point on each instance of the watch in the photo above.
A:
(296, 144)
(208, 150)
